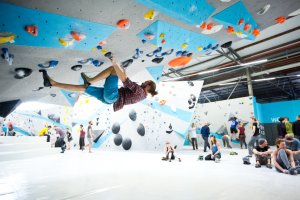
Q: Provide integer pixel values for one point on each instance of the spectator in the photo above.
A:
(288, 126)
(262, 154)
(205, 132)
(281, 128)
(60, 142)
(69, 138)
(233, 129)
(215, 150)
(193, 136)
(283, 159)
(242, 135)
(225, 139)
(53, 136)
(296, 127)
(90, 136)
(170, 152)
(81, 138)
(293, 144)
(254, 137)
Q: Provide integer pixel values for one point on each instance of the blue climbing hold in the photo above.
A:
(137, 54)
(7, 56)
(144, 41)
(51, 64)
(156, 51)
(99, 47)
(86, 61)
(97, 63)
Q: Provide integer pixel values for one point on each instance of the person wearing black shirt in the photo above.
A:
(296, 128)
(254, 138)
(262, 154)
(281, 128)
(69, 137)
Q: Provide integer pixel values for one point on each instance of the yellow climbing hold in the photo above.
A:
(162, 35)
(94, 49)
(184, 45)
(149, 15)
(104, 51)
(199, 48)
(239, 32)
(87, 100)
(7, 37)
(65, 42)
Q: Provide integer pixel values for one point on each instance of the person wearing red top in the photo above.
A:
(242, 135)
(130, 93)
(81, 138)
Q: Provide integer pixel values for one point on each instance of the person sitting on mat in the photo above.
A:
(263, 153)
(130, 93)
(215, 150)
(169, 150)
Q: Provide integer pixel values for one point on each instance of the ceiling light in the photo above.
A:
(254, 62)
(206, 72)
(264, 79)
(231, 83)
(298, 75)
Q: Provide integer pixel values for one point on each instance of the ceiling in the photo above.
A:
(282, 38)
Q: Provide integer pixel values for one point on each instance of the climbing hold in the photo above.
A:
(103, 42)
(162, 35)
(156, 51)
(118, 139)
(132, 115)
(123, 24)
(126, 63)
(241, 35)
(215, 47)
(53, 95)
(166, 53)
(280, 19)
(38, 89)
(137, 54)
(104, 51)
(247, 27)
(22, 72)
(203, 26)
(76, 67)
(126, 144)
(32, 29)
(66, 41)
(209, 26)
(241, 21)
(72, 94)
(214, 29)
(51, 64)
(7, 37)
(149, 35)
(180, 61)
(150, 15)
(115, 128)
(162, 102)
(141, 129)
(144, 41)
(226, 45)
(264, 9)
(99, 47)
(199, 48)
(77, 36)
(157, 60)
(256, 32)
(86, 61)
(230, 29)
(7, 56)
(184, 45)
(97, 63)
(163, 41)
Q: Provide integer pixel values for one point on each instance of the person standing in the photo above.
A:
(233, 129)
(193, 136)
(90, 136)
(296, 127)
(254, 137)
(205, 132)
(242, 135)
(81, 138)
(53, 136)
(69, 138)
(281, 128)
(288, 126)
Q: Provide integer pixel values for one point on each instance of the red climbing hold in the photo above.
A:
(163, 41)
(247, 27)
(203, 25)
(103, 42)
(209, 26)
(180, 61)
(280, 19)
(32, 29)
(241, 21)
(256, 32)
(230, 29)
(77, 36)
(123, 23)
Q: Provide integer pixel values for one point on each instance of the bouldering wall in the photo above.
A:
(146, 125)
(218, 115)
(30, 118)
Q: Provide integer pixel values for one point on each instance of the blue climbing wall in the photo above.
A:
(155, 72)
(189, 11)
(51, 27)
(70, 96)
(231, 16)
(175, 37)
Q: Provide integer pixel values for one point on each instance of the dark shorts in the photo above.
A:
(107, 94)
(233, 130)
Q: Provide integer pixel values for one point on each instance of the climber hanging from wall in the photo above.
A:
(130, 93)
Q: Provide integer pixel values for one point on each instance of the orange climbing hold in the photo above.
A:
(123, 23)
(256, 32)
(180, 61)
(241, 21)
(32, 29)
(230, 29)
(162, 102)
(163, 41)
(203, 25)
(247, 27)
(280, 19)
(77, 36)
(103, 42)
(209, 26)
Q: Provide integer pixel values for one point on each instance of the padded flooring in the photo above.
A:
(108, 175)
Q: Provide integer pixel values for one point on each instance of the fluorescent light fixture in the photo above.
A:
(298, 75)
(254, 62)
(208, 71)
(231, 83)
(264, 79)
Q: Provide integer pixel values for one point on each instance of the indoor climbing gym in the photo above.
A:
(149, 99)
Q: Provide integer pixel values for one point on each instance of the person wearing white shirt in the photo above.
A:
(193, 136)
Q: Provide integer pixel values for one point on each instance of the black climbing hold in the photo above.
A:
(190, 83)
(132, 115)
(226, 45)
(118, 139)
(126, 63)
(76, 67)
(22, 72)
(108, 55)
(115, 128)
(53, 95)
(158, 60)
(126, 144)
(141, 129)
